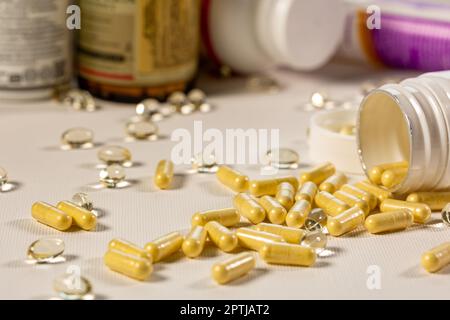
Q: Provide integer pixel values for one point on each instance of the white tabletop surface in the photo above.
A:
(29, 150)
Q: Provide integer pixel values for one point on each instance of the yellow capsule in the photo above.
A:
(195, 241)
(437, 258)
(227, 217)
(129, 248)
(306, 192)
(392, 177)
(274, 210)
(331, 205)
(333, 183)
(163, 174)
(290, 235)
(352, 201)
(288, 254)
(285, 194)
(296, 217)
(375, 173)
(253, 239)
(248, 207)
(435, 200)
(225, 239)
(83, 218)
(233, 268)
(233, 179)
(421, 212)
(51, 216)
(164, 246)
(345, 222)
(361, 194)
(269, 187)
(318, 174)
(389, 221)
(380, 193)
(130, 265)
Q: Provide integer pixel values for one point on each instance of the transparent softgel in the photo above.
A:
(283, 158)
(45, 250)
(115, 155)
(112, 176)
(72, 286)
(142, 129)
(77, 138)
(82, 200)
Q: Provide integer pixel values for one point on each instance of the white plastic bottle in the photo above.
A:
(254, 35)
(409, 121)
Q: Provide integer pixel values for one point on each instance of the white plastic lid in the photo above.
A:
(301, 34)
(327, 144)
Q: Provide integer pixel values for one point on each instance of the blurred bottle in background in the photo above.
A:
(130, 50)
(35, 48)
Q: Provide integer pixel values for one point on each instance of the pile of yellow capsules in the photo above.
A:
(286, 203)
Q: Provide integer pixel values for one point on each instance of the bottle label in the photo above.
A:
(139, 42)
(35, 44)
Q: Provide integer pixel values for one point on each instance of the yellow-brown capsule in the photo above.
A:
(285, 195)
(331, 205)
(333, 183)
(296, 217)
(345, 222)
(164, 246)
(380, 193)
(287, 254)
(361, 194)
(318, 174)
(233, 268)
(129, 265)
(306, 192)
(352, 201)
(225, 239)
(227, 217)
(248, 207)
(83, 218)
(253, 239)
(389, 221)
(436, 200)
(164, 174)
(51, 216)
(289, 234)
(195, 241)
(274, 210)
(421, 212)
(437, 258)
(392, 177)
(375, 173)
(129, 248)
(233, 179)
(268, 187)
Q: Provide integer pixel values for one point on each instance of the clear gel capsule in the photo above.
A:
(268, 187)
(45, 250)
(331, 205)
(318, 100)
(352, 201)
(316, 220)
(445, 214)
(361, 194)
(127, 264)
(274, 210)
(195, 241)
(80, 100)
(421, 212)
(375, 173)
(177, 100)
(297, 215)
(227, 217)
(254, 240)
(232, 179)
(380, 193)
(83, 200)
(204, 163)
(72, 287)
(389, 221)
(287, 254)
(112, 175)
(318, 174)
(149, 109)
(83, 218)
(77, 138)
(233, 267)
(142, 129)
(345, 222)
(392, 177)
(436, 200)
(51, 216)
(333, 183)
(196, 97)
(3, 177)
(249, 207)
(164, 246)
(285, 195)
(114, 155)
(163, 174)
(307, 192)
(437, 258)
(225, 239)
(129, 248)
(283, 158)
